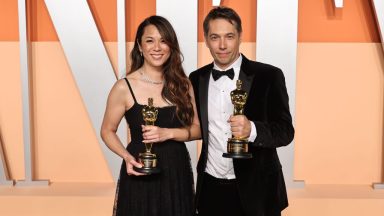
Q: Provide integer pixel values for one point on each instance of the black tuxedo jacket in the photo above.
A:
(260, 179)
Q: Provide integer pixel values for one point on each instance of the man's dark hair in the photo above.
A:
(222, 13)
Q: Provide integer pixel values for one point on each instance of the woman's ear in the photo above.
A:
(138, 44)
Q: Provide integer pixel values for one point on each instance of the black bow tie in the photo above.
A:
(216, 74)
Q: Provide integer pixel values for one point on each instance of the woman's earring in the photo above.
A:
(141, 54)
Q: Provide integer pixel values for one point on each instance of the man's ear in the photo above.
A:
(205, 40)
(241, 37)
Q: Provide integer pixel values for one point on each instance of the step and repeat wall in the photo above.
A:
(59, 59)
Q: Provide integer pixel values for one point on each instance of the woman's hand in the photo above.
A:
(131, 162)
(154, 134)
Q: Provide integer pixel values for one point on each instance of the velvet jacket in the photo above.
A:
(260, 180)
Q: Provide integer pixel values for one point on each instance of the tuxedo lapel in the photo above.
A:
(203, 95)
(246, 75)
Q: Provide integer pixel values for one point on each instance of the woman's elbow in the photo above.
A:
(197, 132)
(105, 133)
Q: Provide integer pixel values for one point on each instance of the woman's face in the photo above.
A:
(155, 51)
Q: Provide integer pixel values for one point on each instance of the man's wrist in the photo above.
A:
(253, 133)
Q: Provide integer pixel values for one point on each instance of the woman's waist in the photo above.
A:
(169, 145)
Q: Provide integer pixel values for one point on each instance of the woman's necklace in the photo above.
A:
(145, 78)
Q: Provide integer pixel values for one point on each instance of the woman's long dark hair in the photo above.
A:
(176, 86)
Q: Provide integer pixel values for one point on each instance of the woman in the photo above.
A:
(156, 72)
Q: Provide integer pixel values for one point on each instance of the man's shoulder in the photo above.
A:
(200, 71)
(262, 66)
(264, 70)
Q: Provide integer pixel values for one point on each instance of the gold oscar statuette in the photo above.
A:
(237, 147)
(147, 158)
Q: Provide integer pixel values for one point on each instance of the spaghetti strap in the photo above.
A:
(130, 89)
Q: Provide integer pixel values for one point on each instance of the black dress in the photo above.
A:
(169, 193)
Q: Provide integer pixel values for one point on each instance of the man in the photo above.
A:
(246, 187)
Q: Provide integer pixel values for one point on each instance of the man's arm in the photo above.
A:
(278, 130)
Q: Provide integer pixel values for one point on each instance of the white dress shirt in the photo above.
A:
(220, 108)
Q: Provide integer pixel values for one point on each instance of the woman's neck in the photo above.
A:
(153, 72)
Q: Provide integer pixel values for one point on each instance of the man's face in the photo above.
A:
(223, 41)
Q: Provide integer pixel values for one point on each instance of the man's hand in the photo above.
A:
(240, 126)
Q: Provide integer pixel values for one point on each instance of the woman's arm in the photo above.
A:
(114, 112)
(153, 134)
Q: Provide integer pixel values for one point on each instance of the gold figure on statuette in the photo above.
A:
(147, 158)
(237, 147)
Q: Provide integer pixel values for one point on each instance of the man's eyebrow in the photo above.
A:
(213, 34)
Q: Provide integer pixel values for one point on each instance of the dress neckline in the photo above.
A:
(141, 105)
(163, 107)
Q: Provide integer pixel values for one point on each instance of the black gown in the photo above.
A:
(169, 193)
